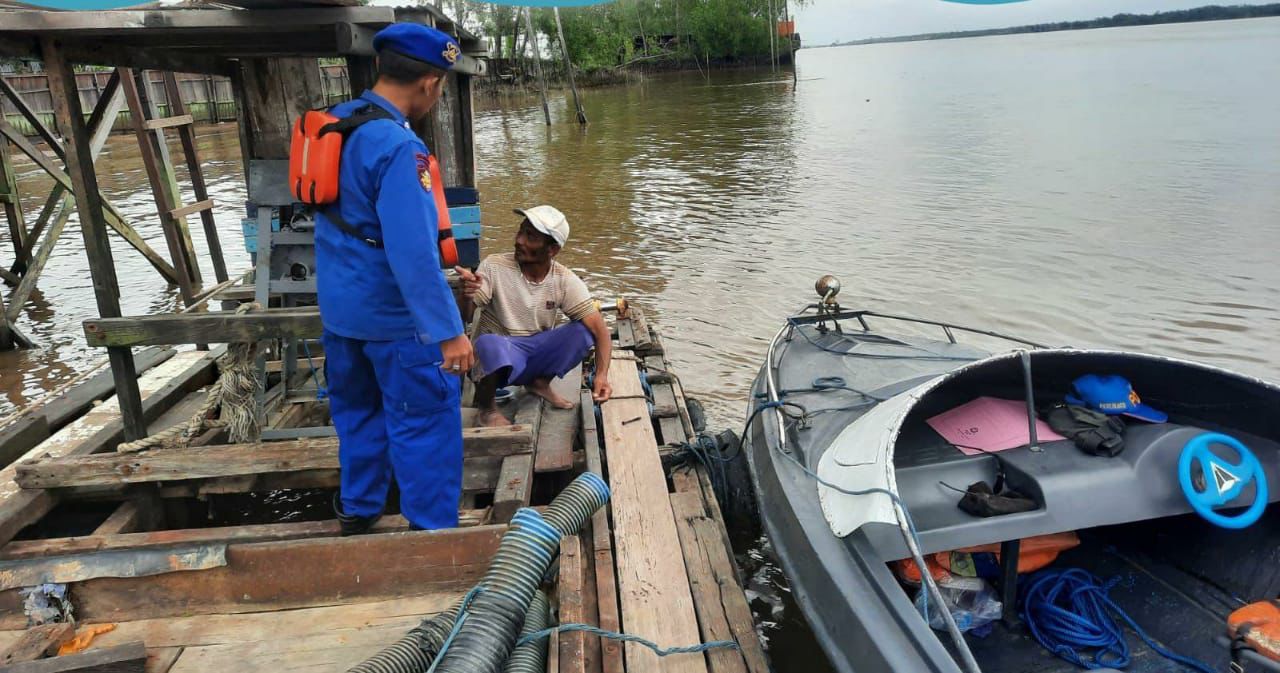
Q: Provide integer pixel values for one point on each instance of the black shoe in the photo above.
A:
(352, 525)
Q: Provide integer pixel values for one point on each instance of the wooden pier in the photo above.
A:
(294, 595)
(201, 553)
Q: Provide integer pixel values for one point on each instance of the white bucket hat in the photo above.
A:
(549, 221)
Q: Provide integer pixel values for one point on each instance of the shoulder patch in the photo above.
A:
(424, 171)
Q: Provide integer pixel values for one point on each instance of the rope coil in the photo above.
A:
(234, 394)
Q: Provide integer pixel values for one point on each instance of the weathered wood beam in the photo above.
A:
(89, 203)
(212, 327)
(164, 187)
(232, 460)
(120, 23)
(295, 574)
(128, 658)
(38, 642)
(203, 205)
(100, 123)
(569, 597)
(112, 217)
(268, 532)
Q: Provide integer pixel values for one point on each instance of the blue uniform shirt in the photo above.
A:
(397, 291)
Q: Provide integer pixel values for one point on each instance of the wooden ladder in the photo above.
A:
(150, 129)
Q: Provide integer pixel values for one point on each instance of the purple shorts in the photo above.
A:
(520, 360)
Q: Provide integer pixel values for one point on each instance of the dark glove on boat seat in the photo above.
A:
(980, 500)
(1096, 433)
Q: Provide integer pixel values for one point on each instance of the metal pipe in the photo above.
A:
(1031, 400)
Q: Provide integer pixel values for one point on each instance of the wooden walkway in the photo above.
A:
(291, 595)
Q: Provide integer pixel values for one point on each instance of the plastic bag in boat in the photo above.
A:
(971, 600)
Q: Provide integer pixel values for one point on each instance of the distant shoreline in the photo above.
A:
(1206, 13)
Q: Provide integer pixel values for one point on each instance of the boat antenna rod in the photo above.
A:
(899, 511)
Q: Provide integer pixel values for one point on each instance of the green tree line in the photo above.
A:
(1206, 13)
(626, 32)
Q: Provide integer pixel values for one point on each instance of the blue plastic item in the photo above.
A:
(1225, 480)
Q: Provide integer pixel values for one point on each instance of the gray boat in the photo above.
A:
(850, 478)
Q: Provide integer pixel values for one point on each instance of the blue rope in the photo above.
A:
(457, 626)
(321, 391)
(1069, 610)
(628, 638)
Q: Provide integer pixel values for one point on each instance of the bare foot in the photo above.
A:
(493, 419)
(542, 388)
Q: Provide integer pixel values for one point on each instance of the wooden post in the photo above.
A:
(773, 35)
(12, 205)
(187, 135)
(537, 65)
(211, 87)
(568, 68)
(791, 39)
(164, 188)
(6, 336)
(93, 226)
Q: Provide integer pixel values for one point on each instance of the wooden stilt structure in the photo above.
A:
(537, 64)
(568, 68)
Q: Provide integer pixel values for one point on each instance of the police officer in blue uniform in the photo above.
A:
(394, 341)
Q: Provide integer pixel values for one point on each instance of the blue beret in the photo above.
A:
(419, 42)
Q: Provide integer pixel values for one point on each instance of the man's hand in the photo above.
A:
(458, 356)
(601, 391)
(470, 281)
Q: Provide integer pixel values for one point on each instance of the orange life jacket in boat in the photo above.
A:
(315, 155)
(1256, 626)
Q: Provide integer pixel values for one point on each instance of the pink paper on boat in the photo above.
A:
(989, 424)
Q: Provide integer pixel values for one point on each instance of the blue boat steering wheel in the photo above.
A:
(1224, 481)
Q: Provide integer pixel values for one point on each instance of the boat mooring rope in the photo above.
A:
(628, 638)
(1068, 610)
(235, 393)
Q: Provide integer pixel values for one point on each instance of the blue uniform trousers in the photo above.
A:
(397, 414)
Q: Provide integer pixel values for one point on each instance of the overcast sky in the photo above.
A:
(827, 21)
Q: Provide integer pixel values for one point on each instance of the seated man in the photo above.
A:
(521, 295)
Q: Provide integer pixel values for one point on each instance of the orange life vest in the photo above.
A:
(1257, 627)
(315, 155)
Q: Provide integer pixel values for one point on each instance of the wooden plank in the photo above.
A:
(602, 546)
(607, 604)
(559, 427)
(515, 486)
(652, 582)
(590, 605)
(572, 645)
(722, 598)
(281, 627)
(169, 122)
(295, 574)
(211, 327)
(230, 460)
(71, 403)
(161, 659)
(707, 600)
(129, 517)
(128, 658)
(99, 429)
(38, 642)
(127, 563)
(189, 209)
(271, 532)
(17, 438)
(626, 333)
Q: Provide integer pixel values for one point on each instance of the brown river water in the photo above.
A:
(1112, 187)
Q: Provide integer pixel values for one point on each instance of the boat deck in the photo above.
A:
(219, 555)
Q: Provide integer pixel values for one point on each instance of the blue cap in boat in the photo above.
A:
(1112, 395)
